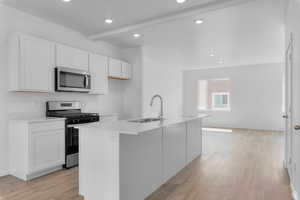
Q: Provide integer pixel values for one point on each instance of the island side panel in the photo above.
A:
(99, 164)
(194, 139)
(140, 164)
(174, 150)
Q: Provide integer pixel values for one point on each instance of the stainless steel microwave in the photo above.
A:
(72, 80)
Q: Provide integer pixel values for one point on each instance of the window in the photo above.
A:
(214, 94)
(220, 101)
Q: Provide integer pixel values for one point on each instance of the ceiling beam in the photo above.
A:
(194, 11)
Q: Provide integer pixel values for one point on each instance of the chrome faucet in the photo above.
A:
(161, 114)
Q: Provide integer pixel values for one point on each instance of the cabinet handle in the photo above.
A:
(297, 127)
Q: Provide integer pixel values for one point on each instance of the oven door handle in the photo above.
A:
(71, 126)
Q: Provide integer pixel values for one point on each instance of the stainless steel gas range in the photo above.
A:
(71, 110)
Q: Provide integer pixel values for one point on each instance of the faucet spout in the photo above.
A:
(161, 114)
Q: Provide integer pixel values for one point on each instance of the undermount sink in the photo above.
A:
(146, 120)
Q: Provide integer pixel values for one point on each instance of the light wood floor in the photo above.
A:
(243, 165)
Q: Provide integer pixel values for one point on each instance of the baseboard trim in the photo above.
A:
(294, 192)
(43, 172)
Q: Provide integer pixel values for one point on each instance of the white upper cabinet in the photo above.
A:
(71, 57)
(119, 69)
(32, 62)
(115, 68)
(31, 65)
(99, 72)
(126, 70)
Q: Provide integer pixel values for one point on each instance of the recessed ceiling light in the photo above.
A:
(109, 21)
(136, 35)
(211, 54)
(198, 21)
(66, 1)
(180, 1)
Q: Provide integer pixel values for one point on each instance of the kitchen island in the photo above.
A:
(125, 160)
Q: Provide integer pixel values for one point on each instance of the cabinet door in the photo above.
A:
(71, 57)
(174, 148)
(36, 64)
(126, 70)
(194, 140)
(98, 69)
(47, 149)
(115, 68)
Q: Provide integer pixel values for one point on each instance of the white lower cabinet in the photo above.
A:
(46, 149)
(174, 150)
(36, 148)
(194, 140)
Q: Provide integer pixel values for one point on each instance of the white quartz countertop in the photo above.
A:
(132, 128)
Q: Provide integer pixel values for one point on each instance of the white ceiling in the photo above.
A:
(87, 16)
(224, 25)
(249, 33)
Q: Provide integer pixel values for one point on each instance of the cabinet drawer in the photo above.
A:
(47, 126)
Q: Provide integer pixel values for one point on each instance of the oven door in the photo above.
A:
(72, 147)
(72, 80)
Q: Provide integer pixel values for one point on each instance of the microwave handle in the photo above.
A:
(86, 81)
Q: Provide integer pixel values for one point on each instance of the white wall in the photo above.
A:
(234, 34)
(161, 76)
(132, 98)
(255, 96)
(153, 73)
(15, 104)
